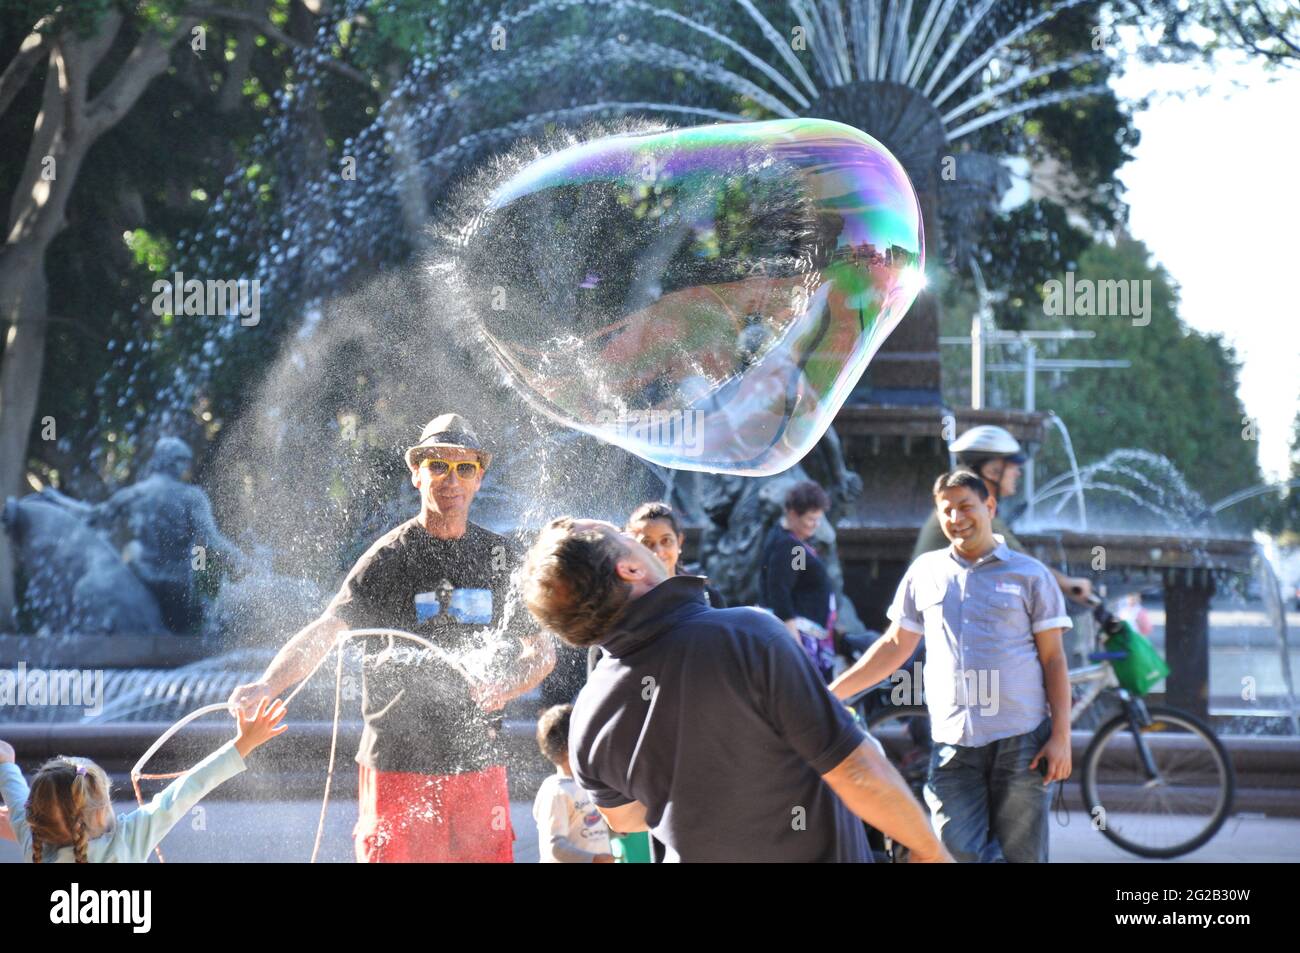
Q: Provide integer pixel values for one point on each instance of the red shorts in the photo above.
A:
(434, 818)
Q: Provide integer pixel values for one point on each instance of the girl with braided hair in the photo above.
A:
(67, 814)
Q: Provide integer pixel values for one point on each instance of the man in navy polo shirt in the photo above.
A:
(708, 727)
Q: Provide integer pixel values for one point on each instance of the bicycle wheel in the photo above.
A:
(906, 737)
(882, 716)
(1177, 811)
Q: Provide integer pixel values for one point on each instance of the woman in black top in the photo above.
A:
(795, 583)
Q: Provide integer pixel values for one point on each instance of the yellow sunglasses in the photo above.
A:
(465, 469)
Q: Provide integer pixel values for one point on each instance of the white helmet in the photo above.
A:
(987, 441)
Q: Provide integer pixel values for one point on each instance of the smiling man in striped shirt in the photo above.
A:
(996, 680)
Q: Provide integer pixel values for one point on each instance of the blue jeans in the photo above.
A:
(986, 805)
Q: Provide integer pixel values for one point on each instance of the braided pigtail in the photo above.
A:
(79, 842)
(79, 815)
(66, 807)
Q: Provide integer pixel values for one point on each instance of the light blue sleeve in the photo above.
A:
(903, 609)
(1046, 602)
(142, 830)
(14, 790)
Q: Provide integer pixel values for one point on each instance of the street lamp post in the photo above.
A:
(1030, 367)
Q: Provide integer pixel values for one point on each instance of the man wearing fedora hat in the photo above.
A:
(432, 777)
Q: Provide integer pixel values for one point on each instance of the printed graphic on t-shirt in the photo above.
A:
(466, 606)
(586, 826)
(471, 606)
(592, 823)
(427, 606)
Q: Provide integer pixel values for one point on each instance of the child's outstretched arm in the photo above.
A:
(142, 830)
(13, 790)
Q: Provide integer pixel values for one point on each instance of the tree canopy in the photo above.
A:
(281, 90)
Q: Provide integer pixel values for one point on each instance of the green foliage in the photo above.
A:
(1267, 29)
(150, 251)
(82, 16)
(158, 173)
(1178, 398)
(1024, 248)
(1091, 137)
(1283, 512)
(23, 15)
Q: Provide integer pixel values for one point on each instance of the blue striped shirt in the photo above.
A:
(982, 676)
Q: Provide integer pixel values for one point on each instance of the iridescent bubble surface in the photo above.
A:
(705, 298)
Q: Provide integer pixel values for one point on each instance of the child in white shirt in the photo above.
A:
(569, 828)
(66, 816)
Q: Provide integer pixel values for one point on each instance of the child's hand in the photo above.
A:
(261, 728)
(6, 830)
(6, 753)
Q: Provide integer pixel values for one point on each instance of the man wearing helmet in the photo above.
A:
(996, 456)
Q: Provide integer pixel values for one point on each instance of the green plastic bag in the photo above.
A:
(1142, 667)
(631, 848)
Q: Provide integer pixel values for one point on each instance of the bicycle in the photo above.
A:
(1147, 770)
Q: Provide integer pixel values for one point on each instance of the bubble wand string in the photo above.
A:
(137, 775)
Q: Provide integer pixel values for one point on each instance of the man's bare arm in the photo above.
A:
(1056, 682)
(880, 661)
(626, 819)
(533, 665)
(868, 784)
(300, 655)
(1076, 588)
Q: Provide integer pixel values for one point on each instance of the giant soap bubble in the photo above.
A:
(705, 298)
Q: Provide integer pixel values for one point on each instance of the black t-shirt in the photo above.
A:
(419, 715)
(718, 724)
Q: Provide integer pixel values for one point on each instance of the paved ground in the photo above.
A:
(243, 831)
(1241, 645)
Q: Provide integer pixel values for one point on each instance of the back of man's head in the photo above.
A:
(571, 583)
